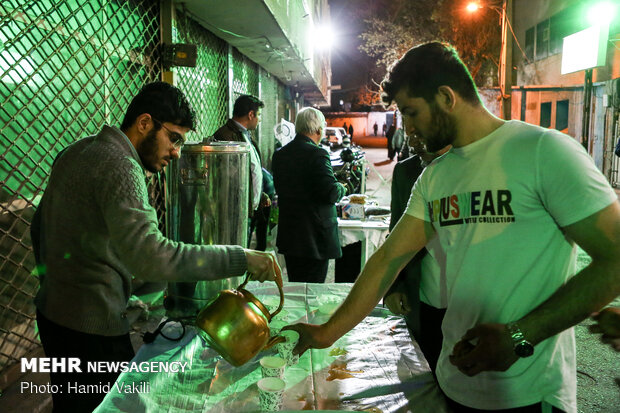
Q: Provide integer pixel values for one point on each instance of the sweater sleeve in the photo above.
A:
(139, 244)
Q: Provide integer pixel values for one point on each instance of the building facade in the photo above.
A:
(542, 95)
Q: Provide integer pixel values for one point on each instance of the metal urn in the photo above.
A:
(207, 203)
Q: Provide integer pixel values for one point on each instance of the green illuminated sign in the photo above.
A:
(585, 49)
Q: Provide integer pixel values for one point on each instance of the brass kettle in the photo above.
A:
(235, 323)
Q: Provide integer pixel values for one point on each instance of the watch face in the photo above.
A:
(524, 349)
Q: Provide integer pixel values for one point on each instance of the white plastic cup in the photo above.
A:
(270, 393)
(272, 366)
(285, 349)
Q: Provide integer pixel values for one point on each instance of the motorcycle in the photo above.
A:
(349, 166)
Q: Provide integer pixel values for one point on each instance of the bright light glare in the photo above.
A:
(585, 49)
(472, 7)
(324, 37)
(601, 13)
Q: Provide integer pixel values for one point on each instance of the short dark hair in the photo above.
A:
(162, 101)
(424, 68)
(245, 104)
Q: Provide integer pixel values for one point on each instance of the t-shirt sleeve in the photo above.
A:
(416, 206)
(570, 185)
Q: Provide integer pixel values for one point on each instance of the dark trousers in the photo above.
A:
(532, 408)
(59, 341)
(259, 223)
(304, 269)
(348, 266)
(430, 337)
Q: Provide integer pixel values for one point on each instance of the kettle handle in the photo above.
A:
(278, 280)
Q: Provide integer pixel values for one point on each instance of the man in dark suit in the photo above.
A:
(307, 192)
(246, 116)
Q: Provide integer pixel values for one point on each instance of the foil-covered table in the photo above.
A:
(371, 233)
(375, 367)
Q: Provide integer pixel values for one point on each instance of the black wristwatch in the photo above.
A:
(522, 347)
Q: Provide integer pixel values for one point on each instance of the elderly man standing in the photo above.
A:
(508, 214)
(246, 116)
(307, 192)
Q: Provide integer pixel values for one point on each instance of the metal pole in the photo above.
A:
(505, 62)
(229, 79)
(165, 21)
(587, 100)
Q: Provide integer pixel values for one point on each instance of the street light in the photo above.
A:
(601, 13)
(505, 55)
(323, 37)
(472, 7)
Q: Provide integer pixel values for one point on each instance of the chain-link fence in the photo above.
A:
(269, 95)
(66, 68)
(206, 85)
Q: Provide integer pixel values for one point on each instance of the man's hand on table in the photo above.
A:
(486, 347)
(310, 336)
(262, 266)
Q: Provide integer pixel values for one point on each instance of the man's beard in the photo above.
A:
(443, 130)
(147, 150)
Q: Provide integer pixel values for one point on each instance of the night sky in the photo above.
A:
(348, 62)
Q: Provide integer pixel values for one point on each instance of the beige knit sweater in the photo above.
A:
(97, 230)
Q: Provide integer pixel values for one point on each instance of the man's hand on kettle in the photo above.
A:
(262, 266)
(310, 336)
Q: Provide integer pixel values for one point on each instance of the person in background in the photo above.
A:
(94, 230)
(307, 193)
(346, 128)
(351, 131)
(419, 292)
(608, 324)
(375, 128)
(246, 116)
(389, 135)
(260, 223)
(508, 213)
(399, 145)
(383, 129)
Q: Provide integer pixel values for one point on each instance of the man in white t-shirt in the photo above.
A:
(508, 204)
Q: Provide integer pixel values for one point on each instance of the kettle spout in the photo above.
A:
(273, 341)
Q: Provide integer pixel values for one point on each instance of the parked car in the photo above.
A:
(335, 135)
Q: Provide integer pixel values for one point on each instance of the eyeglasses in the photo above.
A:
(175, 138)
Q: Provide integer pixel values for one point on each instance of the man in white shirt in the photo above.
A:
(246, 116)
(508, 203)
